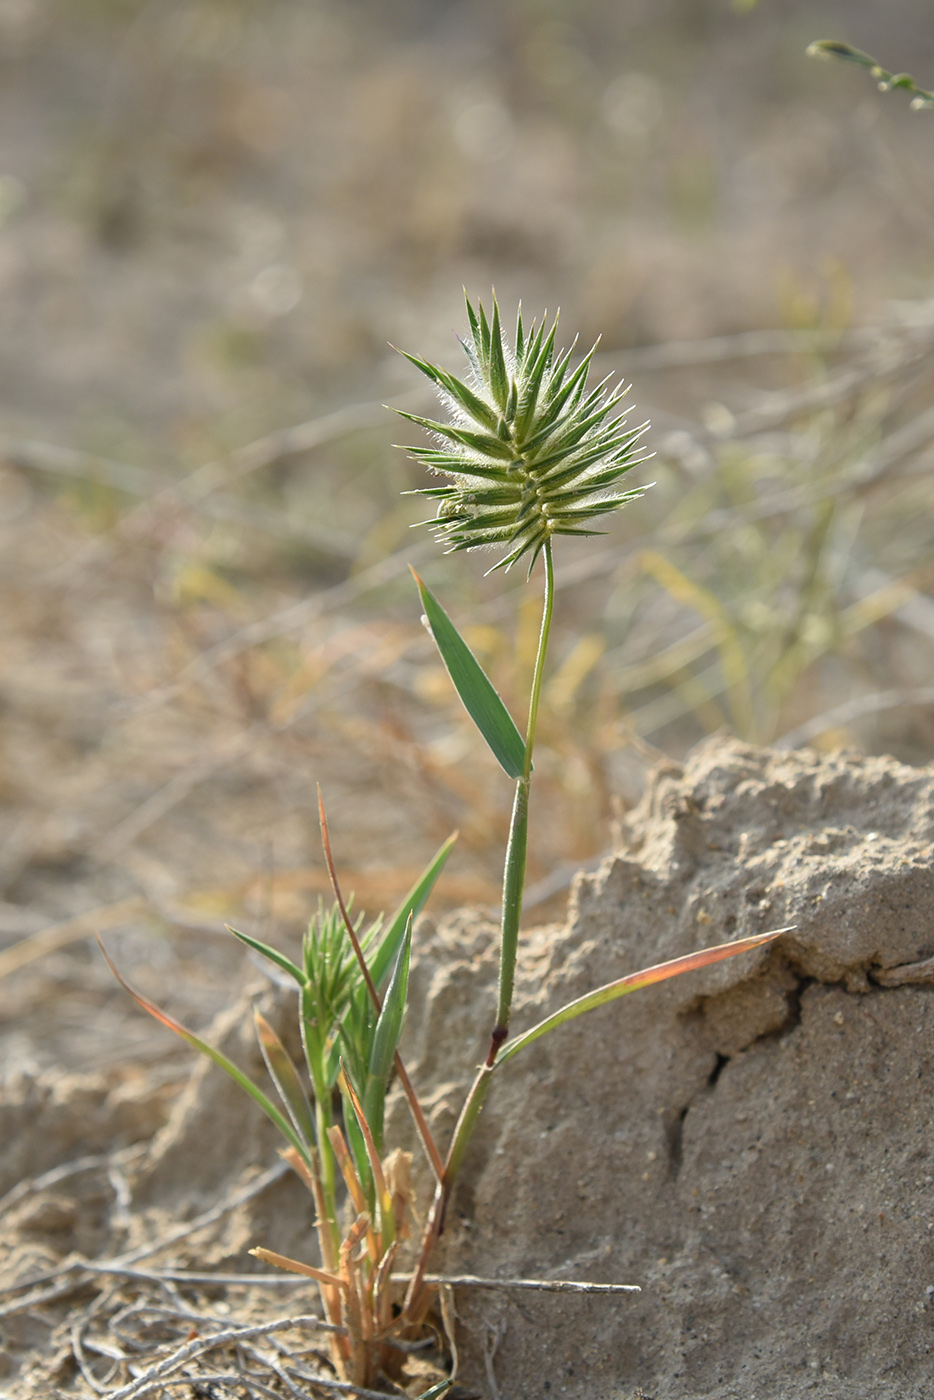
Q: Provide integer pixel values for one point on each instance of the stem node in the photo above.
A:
(500, 1033)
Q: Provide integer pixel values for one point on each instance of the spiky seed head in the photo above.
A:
(531, 453)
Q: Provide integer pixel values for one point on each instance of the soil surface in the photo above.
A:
(751, 1144)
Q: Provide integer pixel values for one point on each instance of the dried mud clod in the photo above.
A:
(752, 1144)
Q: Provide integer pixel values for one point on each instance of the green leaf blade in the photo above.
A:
(389, 1024)
(273, 955)
(411, 907)
(436, 1391)
(484, 443)
(499, 379)
(386, 1039)
(457, 389)
(633, 983)
(480, 700)
(285, 1077)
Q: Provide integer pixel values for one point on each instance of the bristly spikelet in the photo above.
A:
(531, 452)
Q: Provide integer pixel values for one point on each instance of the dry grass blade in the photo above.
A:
(295, 1266)
(387, 1223)
(57, 936)
(357, 1310)
(348, 922)
(348, 1170)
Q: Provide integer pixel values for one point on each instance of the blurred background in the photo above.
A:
(214, 217)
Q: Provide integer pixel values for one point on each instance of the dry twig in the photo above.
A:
(87, 1268)
(534, 1285)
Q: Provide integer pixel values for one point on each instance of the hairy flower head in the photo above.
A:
(531, 453)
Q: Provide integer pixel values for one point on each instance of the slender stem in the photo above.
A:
(421, 1122)
(466, 1124)
(513, 885)
(514, 870)
(538, 675)
(326, 1173)
(335, 886)
(416, 1298)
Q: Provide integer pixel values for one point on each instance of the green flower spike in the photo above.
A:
(531, 452)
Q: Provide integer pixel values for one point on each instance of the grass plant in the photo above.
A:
(529, 454)
(921, 99)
